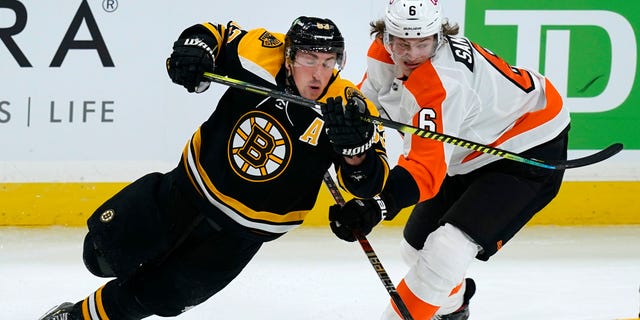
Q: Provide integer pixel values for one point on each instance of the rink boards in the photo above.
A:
(578, 203)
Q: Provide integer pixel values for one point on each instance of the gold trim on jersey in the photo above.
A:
(92, 307)
(382, 155)
(216, 34)
(234, 209)
(257, 50)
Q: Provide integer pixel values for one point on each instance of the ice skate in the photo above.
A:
(463, 312)
(63, 311)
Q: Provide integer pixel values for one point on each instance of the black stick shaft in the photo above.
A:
(370, 253)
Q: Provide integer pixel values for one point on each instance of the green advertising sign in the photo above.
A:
(587, 48)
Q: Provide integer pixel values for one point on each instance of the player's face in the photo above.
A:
(409, 54)
(312, 71)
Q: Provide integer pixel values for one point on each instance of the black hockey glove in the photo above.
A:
(349, 134)
(356, 215)
(189, 60)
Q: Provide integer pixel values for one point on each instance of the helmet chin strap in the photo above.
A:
(439, 42)
(290, 84)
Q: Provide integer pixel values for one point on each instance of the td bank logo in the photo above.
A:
(550, 37)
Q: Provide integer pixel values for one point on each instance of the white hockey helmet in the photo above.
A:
(413, 18)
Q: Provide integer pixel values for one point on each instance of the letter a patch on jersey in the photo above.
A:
(312, 134)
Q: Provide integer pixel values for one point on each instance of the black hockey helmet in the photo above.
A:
(316, 35)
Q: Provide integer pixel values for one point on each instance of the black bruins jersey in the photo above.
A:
(256, 165)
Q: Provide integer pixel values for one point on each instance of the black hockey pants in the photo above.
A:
(165, 255)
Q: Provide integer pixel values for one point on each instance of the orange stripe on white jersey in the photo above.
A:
(428, 95)
(530, 120)
(379, 52)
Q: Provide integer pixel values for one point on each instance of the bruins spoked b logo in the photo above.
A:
(259, 147)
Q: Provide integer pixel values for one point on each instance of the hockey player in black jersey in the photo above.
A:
(249, 174)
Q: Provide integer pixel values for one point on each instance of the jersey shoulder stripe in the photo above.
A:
(262, 48)
(378, 52)
(530, 120)
(426, 87)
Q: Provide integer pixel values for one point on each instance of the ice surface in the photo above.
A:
(544, 273)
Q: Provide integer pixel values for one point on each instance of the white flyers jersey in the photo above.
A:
(468, 92)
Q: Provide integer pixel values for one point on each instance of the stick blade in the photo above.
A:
(599, 156)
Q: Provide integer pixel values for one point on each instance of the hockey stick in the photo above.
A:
(371, 254)
(552, 165)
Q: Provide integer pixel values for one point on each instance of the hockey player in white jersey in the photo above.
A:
(469, 204)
